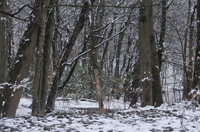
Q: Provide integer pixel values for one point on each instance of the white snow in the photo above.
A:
(146, 79)
(176, 117)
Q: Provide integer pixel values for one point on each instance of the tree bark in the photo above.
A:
(144, 52)
(9, 41)
(40, 85)
(190, 64)
(196, 82)
(55, 41)
(185, 76)
(155, 70)
(2, 42)
(94, 63)
(162, 33)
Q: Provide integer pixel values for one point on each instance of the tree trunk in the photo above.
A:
(55, 41)
(121, 36)
(13, 91)
(144, 52)
(155, 70)
(2, 42)
(94, 63)
(196, 82)
(40, 85)
(9, 41)
(162, 33)
(185, 76)
(52, 95)
(190, 64)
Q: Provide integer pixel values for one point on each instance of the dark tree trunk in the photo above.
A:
(162, 33)
(9, 41)
(185, 76)
(155, 70)
(144, 52)
(2, 43)
(190, 63)
(196, 81)
(55, 48)
(20, 67)
(79, 26)
(40, 86)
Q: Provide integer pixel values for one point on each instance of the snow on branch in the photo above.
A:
(24, 83)
(76, 58)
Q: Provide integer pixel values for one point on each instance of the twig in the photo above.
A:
(76, 58)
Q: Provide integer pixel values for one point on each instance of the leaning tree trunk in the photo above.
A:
(12, 92)
(2, 42)
(79, 26)
(144, 52)
(40, 85)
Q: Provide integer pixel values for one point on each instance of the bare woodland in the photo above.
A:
(144, 51)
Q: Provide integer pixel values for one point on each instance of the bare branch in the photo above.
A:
(76, 58)
(20, 9)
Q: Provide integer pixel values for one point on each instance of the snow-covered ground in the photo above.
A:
(71, 116)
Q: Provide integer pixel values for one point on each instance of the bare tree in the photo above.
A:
(40, 85)
(79, 26)
(13, 90)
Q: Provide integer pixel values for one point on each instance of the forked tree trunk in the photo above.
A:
(12, 92)
(40, 85)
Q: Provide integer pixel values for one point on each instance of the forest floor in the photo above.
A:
(83, 116)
